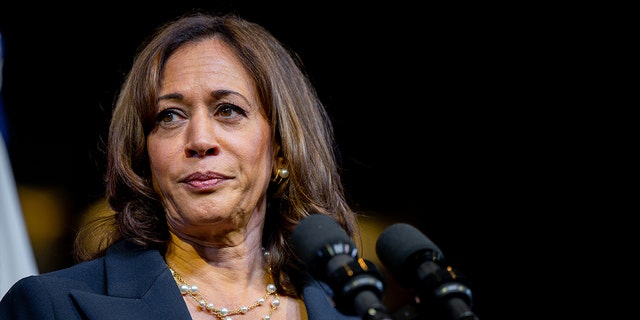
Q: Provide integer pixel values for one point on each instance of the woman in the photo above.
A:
(218, 146)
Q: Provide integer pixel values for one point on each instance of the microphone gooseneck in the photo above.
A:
(331, 256)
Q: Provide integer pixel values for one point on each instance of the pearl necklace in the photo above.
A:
(224, 313)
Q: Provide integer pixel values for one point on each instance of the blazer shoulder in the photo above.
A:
(318, 300)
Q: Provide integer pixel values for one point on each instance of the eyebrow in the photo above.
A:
(171, 96)
(222, 93)
(216, 94)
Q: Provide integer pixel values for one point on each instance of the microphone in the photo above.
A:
(331, 256)
(418, 264)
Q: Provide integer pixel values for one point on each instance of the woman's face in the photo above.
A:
(211, 149)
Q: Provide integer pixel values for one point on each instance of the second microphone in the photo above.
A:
(332, 257)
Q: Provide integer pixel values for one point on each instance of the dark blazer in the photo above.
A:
(129, 282)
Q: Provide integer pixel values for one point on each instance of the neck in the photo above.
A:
(230, 266)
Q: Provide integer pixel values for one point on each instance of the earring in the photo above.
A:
(281, 175)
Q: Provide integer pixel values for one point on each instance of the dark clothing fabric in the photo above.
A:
(129, 282)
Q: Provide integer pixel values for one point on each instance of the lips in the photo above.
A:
(203, 181)
(202, 176)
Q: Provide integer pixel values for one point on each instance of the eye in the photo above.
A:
(167, 116)
(228, 110)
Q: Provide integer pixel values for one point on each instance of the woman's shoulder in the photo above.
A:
(125, 277)
(36, 294)
(77, 275)
(83, 274)
(91, 275)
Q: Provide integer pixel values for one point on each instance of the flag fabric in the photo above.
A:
(17, 259)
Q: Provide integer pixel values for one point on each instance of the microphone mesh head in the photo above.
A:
(398, 242)
(314, 233)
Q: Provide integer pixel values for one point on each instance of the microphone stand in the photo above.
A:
(443, 295)
(358, 286)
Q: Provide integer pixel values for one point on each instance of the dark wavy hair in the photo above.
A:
(300, 125)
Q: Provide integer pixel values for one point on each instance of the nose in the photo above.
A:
(201, 138)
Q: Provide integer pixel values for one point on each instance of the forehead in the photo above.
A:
(205, 56)
(210, 59)
(207, 66)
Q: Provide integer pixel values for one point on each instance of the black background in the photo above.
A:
(423, 100)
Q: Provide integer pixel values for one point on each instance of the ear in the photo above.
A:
(277, 151)
(278, 160)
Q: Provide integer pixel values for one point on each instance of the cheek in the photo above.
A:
(257, 154)
(159, 156)
(264, 153)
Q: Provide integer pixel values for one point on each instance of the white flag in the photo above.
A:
(16, 255)
(17, 259)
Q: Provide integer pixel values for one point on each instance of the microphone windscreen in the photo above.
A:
(398, 242)
(314, 233)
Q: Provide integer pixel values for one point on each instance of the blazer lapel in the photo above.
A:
(138, 286)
